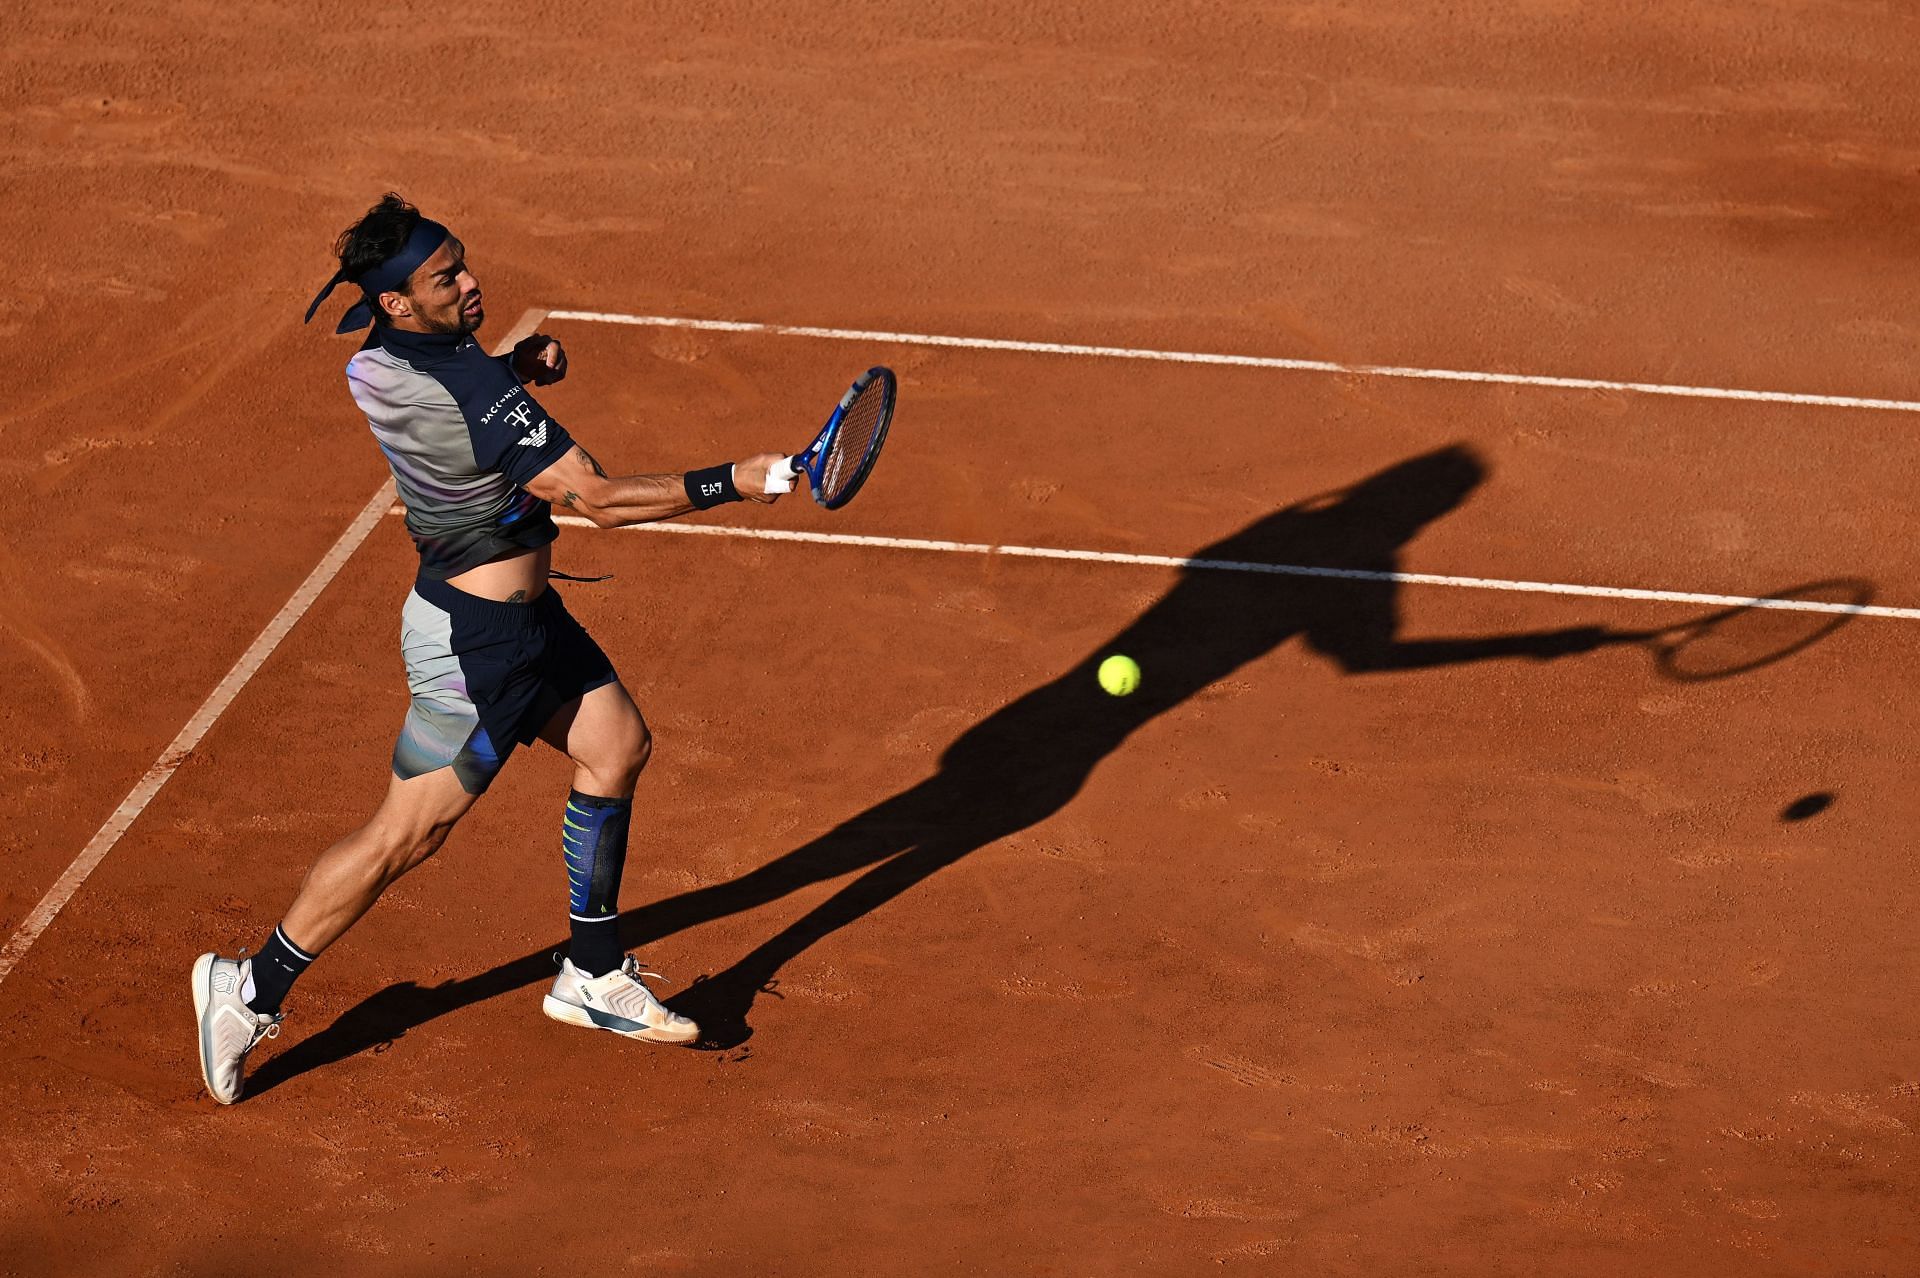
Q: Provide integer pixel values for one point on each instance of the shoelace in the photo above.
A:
(273, 1028)
(632, 970)
(270, 1030)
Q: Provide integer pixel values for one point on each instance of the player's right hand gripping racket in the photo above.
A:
(841, 456)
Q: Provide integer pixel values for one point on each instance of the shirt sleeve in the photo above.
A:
(512, 434)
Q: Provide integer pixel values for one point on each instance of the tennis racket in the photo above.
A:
(841, 456)
(1748, 636)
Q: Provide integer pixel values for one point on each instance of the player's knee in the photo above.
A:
(618, 770)
(639, 750)
(626, 753)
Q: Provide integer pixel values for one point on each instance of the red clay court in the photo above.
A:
(1371, 936)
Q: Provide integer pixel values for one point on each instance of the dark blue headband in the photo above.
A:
(389, 277)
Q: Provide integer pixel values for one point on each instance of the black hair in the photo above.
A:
(376, 237)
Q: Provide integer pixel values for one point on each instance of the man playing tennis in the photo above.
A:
(493, 658)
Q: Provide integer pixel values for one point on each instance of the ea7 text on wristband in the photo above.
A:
(711, 487)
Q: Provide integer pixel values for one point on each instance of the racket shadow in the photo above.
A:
(1747, 637)
(1027, 760)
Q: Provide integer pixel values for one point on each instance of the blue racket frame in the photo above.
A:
(812, 460)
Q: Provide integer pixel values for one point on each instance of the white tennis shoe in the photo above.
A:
(617, 1002)
(229, 1029)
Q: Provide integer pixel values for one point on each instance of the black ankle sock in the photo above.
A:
(596, 947)
(275, 968)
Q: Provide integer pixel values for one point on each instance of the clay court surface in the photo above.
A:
(1332, 951)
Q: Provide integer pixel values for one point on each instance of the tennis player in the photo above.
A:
(493, 658)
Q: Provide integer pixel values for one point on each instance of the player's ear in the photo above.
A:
(396, 305)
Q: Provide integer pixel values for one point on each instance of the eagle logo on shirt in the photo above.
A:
(519, 417)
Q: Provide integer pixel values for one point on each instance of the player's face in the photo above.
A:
(444, 296)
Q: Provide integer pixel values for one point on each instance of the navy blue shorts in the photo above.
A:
(486, 677)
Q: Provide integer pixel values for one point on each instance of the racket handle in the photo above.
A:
(781, 474)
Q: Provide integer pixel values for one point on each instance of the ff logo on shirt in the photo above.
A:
(518, 419)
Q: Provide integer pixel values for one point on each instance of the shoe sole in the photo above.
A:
(202, 995)
(567, 1014)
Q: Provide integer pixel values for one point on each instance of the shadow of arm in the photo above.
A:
(1422, 654)
(1361, 638)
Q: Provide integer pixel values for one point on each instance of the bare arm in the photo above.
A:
(577, 483)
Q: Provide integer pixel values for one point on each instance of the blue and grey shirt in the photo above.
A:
(464, 439)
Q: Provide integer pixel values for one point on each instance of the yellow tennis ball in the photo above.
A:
(1119, 675)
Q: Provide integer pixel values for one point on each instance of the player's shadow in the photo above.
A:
(1026, 761)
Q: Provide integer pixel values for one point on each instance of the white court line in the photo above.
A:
(1241, 361)
(1277, 570)
(189, 736)
(212, 708)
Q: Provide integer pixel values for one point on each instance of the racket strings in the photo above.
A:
(855, 436)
